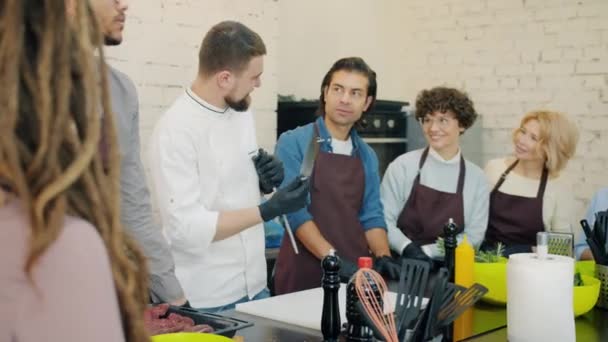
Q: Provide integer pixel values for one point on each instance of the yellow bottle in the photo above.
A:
(463, 276)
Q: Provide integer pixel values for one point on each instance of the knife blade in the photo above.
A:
(308, 161)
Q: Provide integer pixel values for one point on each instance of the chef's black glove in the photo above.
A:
(270, 171)
(413, 251)
(387, 267)
(347, 269)
(286, 200)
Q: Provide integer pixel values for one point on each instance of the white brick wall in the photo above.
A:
(516, 56)
(512, 56)
(160, 52)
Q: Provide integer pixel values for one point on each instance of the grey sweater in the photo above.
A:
(440, 175)
(135, 197)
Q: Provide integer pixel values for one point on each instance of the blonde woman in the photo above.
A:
(528, 195)
(67, 270)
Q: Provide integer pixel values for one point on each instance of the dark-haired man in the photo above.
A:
(345, 212)
(208, 187)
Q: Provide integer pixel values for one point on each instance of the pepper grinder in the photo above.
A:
(330, 318)
(450, 243)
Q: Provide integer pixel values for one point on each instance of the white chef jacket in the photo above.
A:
(200, 165)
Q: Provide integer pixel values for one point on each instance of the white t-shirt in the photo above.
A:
(558, 205)
(200, 165)
(344, 147)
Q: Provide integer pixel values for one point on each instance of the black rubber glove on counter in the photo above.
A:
(286, 200)
(270, 171)
(413, 251)
(387, 267)
(347, 269)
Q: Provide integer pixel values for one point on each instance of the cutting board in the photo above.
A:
(302, 308)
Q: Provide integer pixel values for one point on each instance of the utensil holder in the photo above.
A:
(601, 273)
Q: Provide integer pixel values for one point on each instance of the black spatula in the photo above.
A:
(412, 285)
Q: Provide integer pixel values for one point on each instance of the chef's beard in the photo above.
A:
(240, 105)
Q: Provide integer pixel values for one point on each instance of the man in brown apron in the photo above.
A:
(345, 212)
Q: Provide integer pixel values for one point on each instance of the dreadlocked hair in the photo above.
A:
(50, 127)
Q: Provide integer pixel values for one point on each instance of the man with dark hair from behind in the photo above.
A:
(345, 212)
(208, 187)
(136, 210)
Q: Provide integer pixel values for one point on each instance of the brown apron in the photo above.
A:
(515, 220)
(427, 210)
(337, 187)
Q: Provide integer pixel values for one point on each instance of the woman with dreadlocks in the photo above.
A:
(67, 270)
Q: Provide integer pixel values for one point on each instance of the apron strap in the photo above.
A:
(425, 154)
(543, 183)
(504, 175)
(315, 136)
(461, 175)
(543, 179)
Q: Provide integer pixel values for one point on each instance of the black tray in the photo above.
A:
(222, 325)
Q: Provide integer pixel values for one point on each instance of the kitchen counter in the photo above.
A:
(492, 318)
(590, 327)
(489, 327)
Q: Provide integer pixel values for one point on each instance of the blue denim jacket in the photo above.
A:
(290, 149)
(598, 203)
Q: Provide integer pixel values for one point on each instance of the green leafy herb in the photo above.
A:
(578, 281)
(440, 245)
(490, 255)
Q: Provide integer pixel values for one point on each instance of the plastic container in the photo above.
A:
(585, 267)
(493, 275)
(586, 295)
(601, 273)
(463, 276)
(222, 325)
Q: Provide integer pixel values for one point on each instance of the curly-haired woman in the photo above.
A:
(528, 196)
(423, 189)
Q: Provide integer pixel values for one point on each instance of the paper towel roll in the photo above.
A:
(539, 298)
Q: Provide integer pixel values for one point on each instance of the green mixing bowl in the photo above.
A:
(494, 277)
(586, 267)
(190, 337)
(586, 296)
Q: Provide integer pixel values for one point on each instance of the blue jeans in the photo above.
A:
(265, 293)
